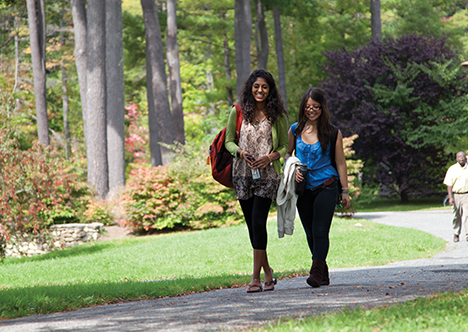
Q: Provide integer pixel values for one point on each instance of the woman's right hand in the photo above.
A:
(248, 158)
(299, 176)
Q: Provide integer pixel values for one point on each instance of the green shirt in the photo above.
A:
(279, 132)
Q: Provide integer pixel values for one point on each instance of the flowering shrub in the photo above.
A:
(212, 204)
(135, 142)
(98, 210)
(153, 200)
(182, 194)
(35, 190)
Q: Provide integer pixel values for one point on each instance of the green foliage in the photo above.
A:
(183, 194)
(354, 167)
(153, 199)
(36, 190)
(99, 211)
(213, 204)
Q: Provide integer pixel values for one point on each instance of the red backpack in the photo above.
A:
(221, 159)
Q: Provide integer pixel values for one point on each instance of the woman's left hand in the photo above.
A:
(345, 200)
(261, 162)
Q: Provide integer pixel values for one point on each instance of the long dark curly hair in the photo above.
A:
(274, 102)
(324, 126)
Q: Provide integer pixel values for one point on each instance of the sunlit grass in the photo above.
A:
(442, 312)
(395, 204)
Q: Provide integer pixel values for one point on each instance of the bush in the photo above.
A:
(354, 169)
(35, 190)
(182, 194)
(153, 200)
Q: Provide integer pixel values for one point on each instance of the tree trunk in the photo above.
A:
(115, 94)
(175, 86)
(155, 148)
(227, 70)
(404, 196)
(17, 55)
(242, 36)
(65, 103)
(155, 59)
(280, 56)
(79, 29)
(376, 23)
(261, 33)
(96, 95)
(37, 26)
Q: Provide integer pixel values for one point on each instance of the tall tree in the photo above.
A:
(242, 37)
(175, 86)
(96, 96)
(157, 80)
(376, 23)
(17, 55)
(261, 36)
(78, 8)
(37, 33)
(65, 100)
(115, 94)
(227, 70)
(280, 56)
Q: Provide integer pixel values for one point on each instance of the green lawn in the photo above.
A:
(395, 204)
(180, 263)
(443, 312)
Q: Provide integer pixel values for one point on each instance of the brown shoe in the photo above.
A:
(456, 238)
(316, 273)
(326, 276)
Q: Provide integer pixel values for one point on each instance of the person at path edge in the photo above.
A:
(312, 138)
(256, 168)
(456, 180)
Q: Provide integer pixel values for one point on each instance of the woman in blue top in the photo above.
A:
(311, 138)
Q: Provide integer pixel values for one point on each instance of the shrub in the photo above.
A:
(98, 210)
(35, 190)
(181, 194)
(212, 204)
(153, 200)
(354, 168)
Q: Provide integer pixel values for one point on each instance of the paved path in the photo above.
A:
(234, 309)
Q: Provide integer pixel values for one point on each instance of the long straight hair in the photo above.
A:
(324, 126)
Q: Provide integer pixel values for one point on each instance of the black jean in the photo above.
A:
(316, 208)
(255, 211)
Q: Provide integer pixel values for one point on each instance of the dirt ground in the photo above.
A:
(115, 232)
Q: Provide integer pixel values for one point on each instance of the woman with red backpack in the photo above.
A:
(256, 168)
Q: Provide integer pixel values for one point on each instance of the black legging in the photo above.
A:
(255, 211)
(316, 208)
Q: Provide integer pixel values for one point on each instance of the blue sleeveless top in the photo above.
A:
(313, 157)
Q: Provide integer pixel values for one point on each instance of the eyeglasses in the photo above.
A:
(315, 108)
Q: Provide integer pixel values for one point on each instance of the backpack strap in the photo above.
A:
(240, 116)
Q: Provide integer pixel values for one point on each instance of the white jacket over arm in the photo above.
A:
(286, 198)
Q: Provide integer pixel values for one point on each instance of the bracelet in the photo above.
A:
(344, 188)
(345, 192)
(269, 157)
(241, 154)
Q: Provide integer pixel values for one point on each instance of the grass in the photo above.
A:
(395, 204)
(443, 312)
(171, 264)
